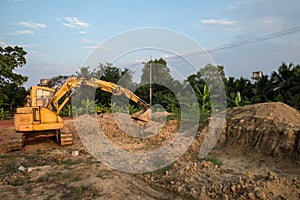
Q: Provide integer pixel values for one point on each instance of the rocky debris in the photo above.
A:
(269, 128)
(205, 180)
(22, 168)
(75, 153)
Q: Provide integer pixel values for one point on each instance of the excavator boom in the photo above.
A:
(73, 83)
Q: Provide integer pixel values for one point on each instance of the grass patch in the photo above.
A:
(60, 175)
(80, 192)
(3, 156)
(174, 116)
(55, 177)
(213, 160)
(76, 178)
(81, 189)
(173, 178)
(17, 182)
(39, 151)
(162, 170)
(42, 179)
(70, 162)
(159, 165)
(8, 167)
(99, 175)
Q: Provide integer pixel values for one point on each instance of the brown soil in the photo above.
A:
(256, 157)
(8, 123)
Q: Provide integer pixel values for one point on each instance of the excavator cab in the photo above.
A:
(34, 116)
(40, 95)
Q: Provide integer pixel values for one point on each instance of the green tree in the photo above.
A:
(12, 58)
(262, 90)
(163, 84)
(56, 81)
(286, 84)
(12, 94)
(234, 86)
(108, 72)
(84, 72)
(210, 79)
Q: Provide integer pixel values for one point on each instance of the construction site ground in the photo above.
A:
(257, 157)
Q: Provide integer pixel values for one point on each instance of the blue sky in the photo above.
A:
(59, 35)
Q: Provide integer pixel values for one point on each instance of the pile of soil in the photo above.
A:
(268, 128)
(205, 180)
(256, 157)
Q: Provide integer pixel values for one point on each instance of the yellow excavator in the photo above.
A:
(40, 116)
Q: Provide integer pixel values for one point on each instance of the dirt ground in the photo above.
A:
(257, 157)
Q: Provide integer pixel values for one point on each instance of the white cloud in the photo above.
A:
(94, 47)
(34, 25)
(87, 41)
(2, 43)
(35, 53)
(91, 47)
(249, 1)
(74, 22)
(23, 32)
(83, 32)
(218, 22)
(30, 45)
(232, 8)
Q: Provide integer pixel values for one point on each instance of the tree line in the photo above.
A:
(282, 85)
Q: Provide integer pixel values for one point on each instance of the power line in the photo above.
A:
(241, 43)
(236, 44)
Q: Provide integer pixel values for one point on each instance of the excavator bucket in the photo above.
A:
(143, 115)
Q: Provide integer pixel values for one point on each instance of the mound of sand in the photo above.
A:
(268, 128)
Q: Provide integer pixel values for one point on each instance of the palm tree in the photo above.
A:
(235, 86)
(286, 83)
(280, 79)
(262, 90)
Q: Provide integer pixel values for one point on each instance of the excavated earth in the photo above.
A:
(256, 156)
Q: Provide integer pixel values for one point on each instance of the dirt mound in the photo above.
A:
(269, 128)
(256, 158)
(205, 180)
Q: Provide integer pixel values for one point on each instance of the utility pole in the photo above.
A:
(150, 81)
(150, 85)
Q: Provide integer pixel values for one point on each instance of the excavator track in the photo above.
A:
(65, 137)
(16, 142)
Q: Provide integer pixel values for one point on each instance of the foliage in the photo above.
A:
(238, 98)
(4, 113)
(286, 84)
(12, 94)
(282, 85)
(56, 81)
(204, 100)
(12, 58)
(213, 160)
(163, 85)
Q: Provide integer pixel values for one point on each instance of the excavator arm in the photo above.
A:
(118, 90)
(72, 83)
